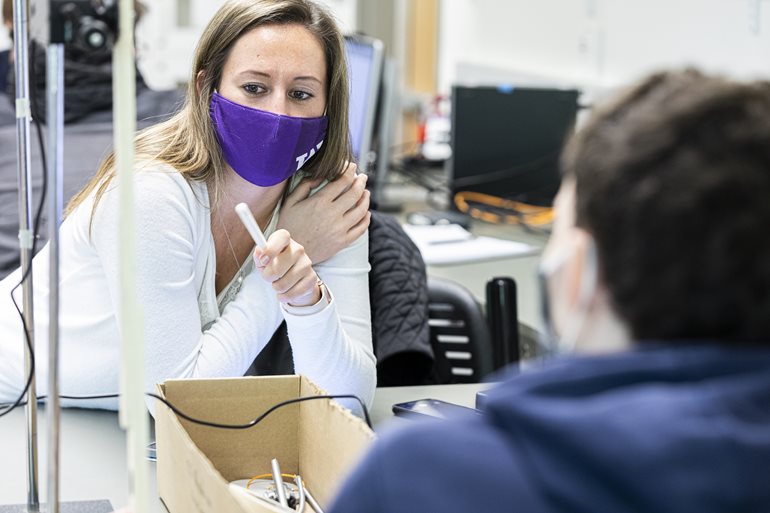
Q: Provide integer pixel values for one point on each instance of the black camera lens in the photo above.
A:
(94, 34)
(88, 26)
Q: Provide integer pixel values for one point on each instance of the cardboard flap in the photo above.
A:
(242, 453)
(187, 480)
(331, 442)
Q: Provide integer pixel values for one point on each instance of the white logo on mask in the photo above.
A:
(307, 156)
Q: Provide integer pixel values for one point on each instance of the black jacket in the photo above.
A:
(398, 290)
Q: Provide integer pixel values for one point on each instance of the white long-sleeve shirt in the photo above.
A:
(187, 332)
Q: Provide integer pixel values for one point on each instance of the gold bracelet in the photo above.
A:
(323, 289)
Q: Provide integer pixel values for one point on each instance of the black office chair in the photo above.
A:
(462, 345)
(467, 344)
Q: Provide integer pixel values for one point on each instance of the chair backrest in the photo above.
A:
(459, 333)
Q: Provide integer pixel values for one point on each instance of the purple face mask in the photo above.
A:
(262, 147)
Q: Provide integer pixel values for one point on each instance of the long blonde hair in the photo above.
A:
(188, 142)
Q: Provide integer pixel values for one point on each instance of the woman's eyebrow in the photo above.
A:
(255, 72)
(308, 77)
(268, 75)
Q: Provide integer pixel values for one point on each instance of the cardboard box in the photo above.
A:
(318, 439)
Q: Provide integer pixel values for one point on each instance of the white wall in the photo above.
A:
(599, 44)
(165, 48)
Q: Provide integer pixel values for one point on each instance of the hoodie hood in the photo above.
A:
(656, 429)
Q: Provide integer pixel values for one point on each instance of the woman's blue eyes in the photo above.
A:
(300, 95)
(254, 89)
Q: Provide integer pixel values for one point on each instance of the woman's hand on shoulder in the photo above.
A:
(285, 264)
(332, 218)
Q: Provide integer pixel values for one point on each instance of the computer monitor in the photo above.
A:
(506, 141)
(365, 57)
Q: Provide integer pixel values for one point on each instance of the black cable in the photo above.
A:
(6, 410)
(507, 173)
(420, 179)
(35, 231)
(43, 397)
(505, 211)
(266, 413)
(248, 425)
(436, 187)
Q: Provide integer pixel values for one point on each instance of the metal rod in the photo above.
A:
(301, 492)
(313, 503)
(133, 410)
(279, 489)
(55, 118)
(23, 116)
(385, 129)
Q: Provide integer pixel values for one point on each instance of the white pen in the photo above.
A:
(247, 218)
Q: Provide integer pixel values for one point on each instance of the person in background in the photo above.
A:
(264, 123)
(657, 274)
(87, 134)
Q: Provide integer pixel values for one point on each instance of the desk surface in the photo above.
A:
(474, 276)
(93, 458)
(523, 269)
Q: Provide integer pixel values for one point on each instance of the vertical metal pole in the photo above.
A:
(385, 130)
(23, 116)
(133, 412)
(55, 118)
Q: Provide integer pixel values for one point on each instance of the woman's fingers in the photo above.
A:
(359, 209)
(301, 192)
(286, 266)
(359, 229)
(350, 198)
(335, 188)
(322, 223)
(300, 268)
(276, 244)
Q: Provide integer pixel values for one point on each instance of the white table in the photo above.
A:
(475, 275)
(93, 458)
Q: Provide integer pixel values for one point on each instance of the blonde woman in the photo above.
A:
(266, 107)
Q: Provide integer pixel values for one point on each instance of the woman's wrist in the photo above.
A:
(316, 297)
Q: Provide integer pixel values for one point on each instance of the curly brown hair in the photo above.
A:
(673, 182)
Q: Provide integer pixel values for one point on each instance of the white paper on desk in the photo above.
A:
(453, 244)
